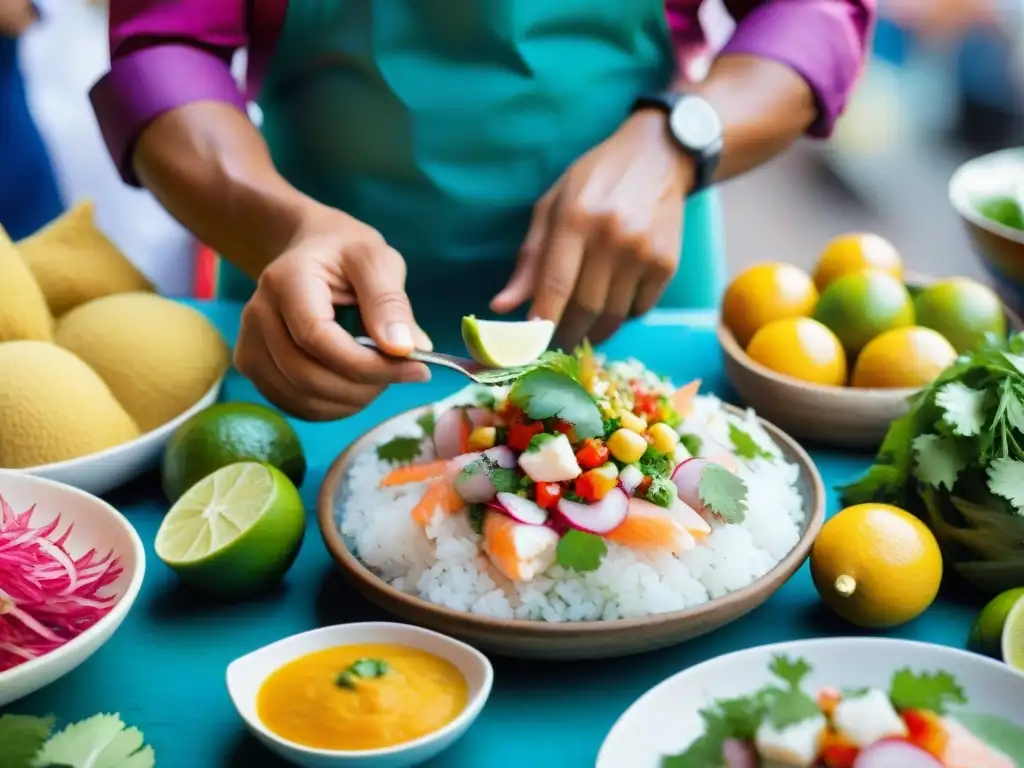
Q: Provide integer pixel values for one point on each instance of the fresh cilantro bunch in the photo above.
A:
(101, 741)
(956, 459)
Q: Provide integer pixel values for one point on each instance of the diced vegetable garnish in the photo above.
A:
(548, 495)
(501, 456)
(632, 422)
(594, 484)
(664, 438)
(520, 434)
(521, 510)
(600, 517)
(593, 454)
(451, 433)
(481, 438)
(626, 445)
(630, 478)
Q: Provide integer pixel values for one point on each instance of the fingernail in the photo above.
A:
(399, 336)
(421, 374)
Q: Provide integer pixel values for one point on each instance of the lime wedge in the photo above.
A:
(506, 345)
(987, 633)
(1013, 636)
(234, 532)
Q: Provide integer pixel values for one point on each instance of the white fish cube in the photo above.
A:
(792, 747)
(551, 462)
(868, 718)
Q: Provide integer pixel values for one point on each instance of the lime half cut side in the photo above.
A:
(1013, 636)
(235, 531)
(506, 344)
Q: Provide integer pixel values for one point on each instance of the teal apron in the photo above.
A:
(441, 122)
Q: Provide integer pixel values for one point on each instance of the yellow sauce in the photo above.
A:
(419, 693)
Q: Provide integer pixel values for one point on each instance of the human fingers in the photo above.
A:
(589, 296)
(560, 265)
(620, 298)
(520, 285)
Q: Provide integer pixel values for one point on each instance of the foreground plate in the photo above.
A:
(666, 719)
(568, 640)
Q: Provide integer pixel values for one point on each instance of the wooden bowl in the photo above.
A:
(844, 417)
(569, 640)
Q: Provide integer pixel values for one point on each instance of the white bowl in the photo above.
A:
(101, 472)
(96, 525)
(665, 720)
(246, 675)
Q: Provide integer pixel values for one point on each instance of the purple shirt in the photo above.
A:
(167, 54)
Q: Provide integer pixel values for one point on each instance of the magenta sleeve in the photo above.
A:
(825, 41)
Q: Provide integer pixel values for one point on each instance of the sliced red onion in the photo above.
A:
(475, 486)
(450, 432)
(740, 754)
(481, 417)
(686, 478)
(630, 478)
(501, 456)
(894, 753)
(522, 510)
(600, 517)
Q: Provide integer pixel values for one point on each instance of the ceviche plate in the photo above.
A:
(662, 728)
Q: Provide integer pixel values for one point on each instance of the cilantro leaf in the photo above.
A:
(791, 672)
(938, 460)
(882, 482)
(21, 738)
(1006, 479)
(580, 551)
(476, 517)
(791, 707)
(400, 449)
(545, 393)
(504, 480)
(724, 493)
(936, 691)
(101, 741)
(427, 422)
(661, 491)
(963, 408)
(537, 442)
(361, 669)
(655, 463)
(746, 447)
(691, 443)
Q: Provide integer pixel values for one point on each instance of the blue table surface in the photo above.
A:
(163, 671)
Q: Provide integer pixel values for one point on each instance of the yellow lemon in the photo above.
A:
(876, 565)
(854, 252)
(766, 292)
(903, 357)
(801, 348)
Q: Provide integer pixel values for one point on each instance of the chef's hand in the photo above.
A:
(290, 344)
(604, 241)
(16, 16)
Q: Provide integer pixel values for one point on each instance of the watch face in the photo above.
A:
(695, 123)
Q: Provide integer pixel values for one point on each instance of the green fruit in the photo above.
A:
(1013, 636)
(227, 433)
(235, 532)
(859, 306)
(506, 344)
(962, 310)
(986, 634)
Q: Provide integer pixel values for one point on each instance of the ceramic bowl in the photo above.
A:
(101, 472)
(566, 640)
(844, 417)
(666, 719)
(999, 247)
(246, 675)
(97, 525)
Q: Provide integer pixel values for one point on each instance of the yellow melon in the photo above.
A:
(157, 356)
(53, 407)
(74, 262)
(23, 311)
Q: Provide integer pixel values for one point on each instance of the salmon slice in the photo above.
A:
(690, 519)
(682, 398)
(440, 495)
(414, 473)
(965, 750)
(648, 526)
(519, 552)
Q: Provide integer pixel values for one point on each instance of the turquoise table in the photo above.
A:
(164, 669)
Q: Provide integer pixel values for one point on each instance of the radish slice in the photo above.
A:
(450, 432)
(601, 517)
(895, 754)
(475, 487)
(739, 754)
(630, 478)
(481, 417)
(501, 456)
(522, 510)
(686, 478)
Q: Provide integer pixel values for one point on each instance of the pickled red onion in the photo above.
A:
(47, 597)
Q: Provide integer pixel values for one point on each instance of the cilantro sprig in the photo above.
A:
(547, 392)
(101, 740)
(724, 493)
(361, 669)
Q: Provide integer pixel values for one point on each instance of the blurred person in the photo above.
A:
(501, 154)
(29, 194)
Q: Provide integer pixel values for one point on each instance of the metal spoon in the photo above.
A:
(471, 369)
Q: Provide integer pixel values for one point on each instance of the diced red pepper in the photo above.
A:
(566, 429)
(836, 751)
(520, 434)
(548, 494)
(594, 484)
(828, 700)
(925, 730)
(593, 454)
(644, 486)
(511, 413)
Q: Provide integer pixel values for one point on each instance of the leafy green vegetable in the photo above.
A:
(427, 422)
(101, 741)
(476, 517)
(745, 445)
(580, 551)
(691, 443)
(361, 669)
(934, 691)
(1006, 479)
(504, 480)
(561, 362)
(661, 491)
(545, 393)
(793, 673)
(1003, 210)
(791, 707)
(400, 449)
(724, 493)
(610, 425)
(655, 463)
(21, 738)
(537, 441)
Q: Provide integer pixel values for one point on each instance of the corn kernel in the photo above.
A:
(607, 409)
(482, 438)
(665, 438)
(626, 445)
(632, 422)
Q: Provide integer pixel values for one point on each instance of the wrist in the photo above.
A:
(652, 125)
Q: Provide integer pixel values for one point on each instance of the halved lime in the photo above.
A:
(506, 344)
(1013, 636)
(234, 532)
(987, 632)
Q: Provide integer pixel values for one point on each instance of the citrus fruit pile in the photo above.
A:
(854, 322)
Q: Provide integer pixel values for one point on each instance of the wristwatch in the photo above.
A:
(694, 126)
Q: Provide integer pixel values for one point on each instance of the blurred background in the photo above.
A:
(946, 82)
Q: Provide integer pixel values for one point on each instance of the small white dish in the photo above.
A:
(100, 472)
(666, 719)
(246, 675)
(97, 525)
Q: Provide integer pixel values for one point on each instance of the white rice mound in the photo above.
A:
(444, 563)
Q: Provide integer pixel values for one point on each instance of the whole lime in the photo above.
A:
(227, 433)
(858, 307)
(986, 634)
(962, 310)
